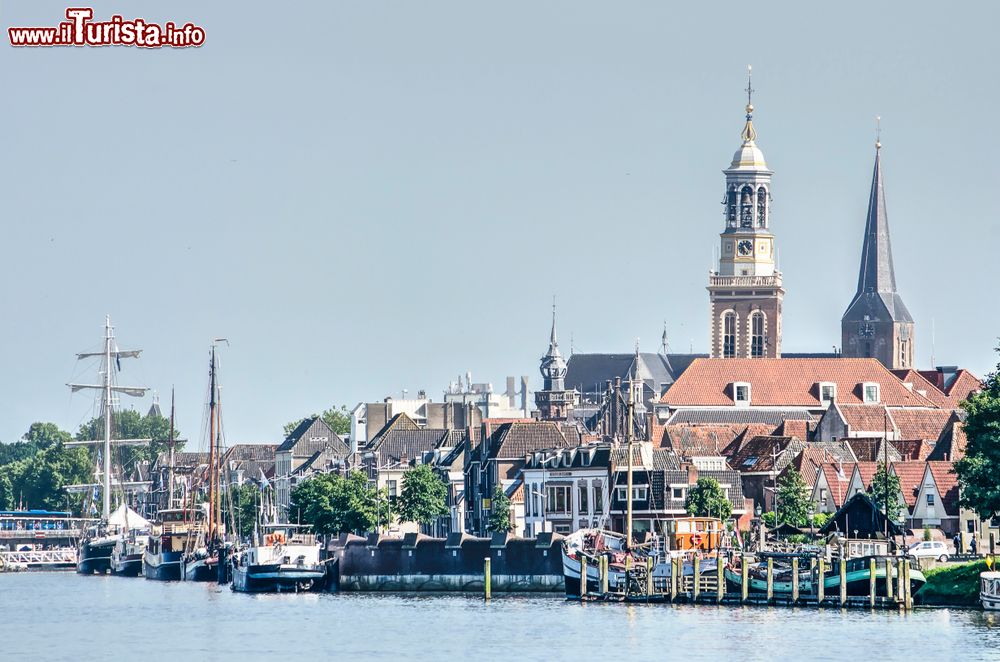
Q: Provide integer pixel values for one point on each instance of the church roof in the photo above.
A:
(876, 296)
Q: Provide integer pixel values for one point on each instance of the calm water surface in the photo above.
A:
(63, 616)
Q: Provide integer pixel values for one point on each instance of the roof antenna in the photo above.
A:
(933, 340)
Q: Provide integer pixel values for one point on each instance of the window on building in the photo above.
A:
(729, 335)
(746, 207)
(761, 207)
(822, 495)
(583, 498)
(731, 207)
(598, 498)
(757, 334)
(970, 526)
(741, 393)
(677, 493)
(827, 392)
(639, 493)
(904, 351)
(871, 393)
(930, 499)
(391, 487)
(557, 499)
(562, 528)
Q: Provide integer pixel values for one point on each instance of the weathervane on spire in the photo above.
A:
(749, 91)
(878, 132)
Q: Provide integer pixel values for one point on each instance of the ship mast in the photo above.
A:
(170, 474)
(211, 448)
(628, 450)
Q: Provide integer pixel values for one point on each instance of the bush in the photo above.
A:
(927, 534)
(952, 585)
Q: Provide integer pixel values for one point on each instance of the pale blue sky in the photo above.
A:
(371, 196)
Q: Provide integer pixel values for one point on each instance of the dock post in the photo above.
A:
(907, 597)
(697, 578)
(604, 576)
(770, 579)
(900, 583)
(745, 579)
(673, 579)
(888, 579)
(820, 582)
(649, 576)
(628, 576)
(720, 577)
(795, 580)
(872, 587)
(843, 582)
(812, 570)
(487, 578)
(583, 576)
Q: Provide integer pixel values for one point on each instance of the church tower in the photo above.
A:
(554, 401)
(877, 323)
(746, 291)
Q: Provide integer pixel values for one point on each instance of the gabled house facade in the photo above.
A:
(312, 447)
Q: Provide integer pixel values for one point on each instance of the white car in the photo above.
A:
(929, 549)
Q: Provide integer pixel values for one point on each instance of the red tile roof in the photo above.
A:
(838, 487)
(865, 418)
(866, 470)
(913, 449)
(947, 485)
(793, 428)
(910, 474)
(920, 423)
(962, 385)
(700, 440)
(786, 382)
(925, 388)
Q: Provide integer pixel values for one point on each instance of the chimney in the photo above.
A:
(692, 472)
(524, 393)
(511, 394)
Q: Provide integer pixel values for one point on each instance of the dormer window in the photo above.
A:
(741, 394)
(827, 393)
(870, 393)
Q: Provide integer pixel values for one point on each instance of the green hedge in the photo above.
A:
(952, 585)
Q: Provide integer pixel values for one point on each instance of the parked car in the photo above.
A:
(929, 549)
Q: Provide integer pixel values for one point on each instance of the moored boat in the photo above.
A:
(287, 561)
(94, 552)
(989, 590)
(126, 556)
(173, 537)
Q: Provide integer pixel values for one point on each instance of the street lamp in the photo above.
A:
(812, 511)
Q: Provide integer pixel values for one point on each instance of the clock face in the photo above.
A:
(745, 247)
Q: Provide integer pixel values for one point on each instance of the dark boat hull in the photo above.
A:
(165, 568)
(200, 570)
(130, 566)
(275, 579)
(95, 557)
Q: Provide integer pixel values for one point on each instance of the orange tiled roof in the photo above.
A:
(793, 428)
(920, 423)
(913, 449)
(910, 474)
(838, 487)
(947, 485)
(963, 384)
(700, 440)
(865, 418)
(786, 382)
(924, 387)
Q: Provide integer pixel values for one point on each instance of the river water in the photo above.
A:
(63, 616)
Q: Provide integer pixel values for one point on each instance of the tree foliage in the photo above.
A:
(424, 495)
(979, 469)
(241, 507)
(877, 492)
(130, 424)
(793, 499)
(707, 499)
(338, 418)
(334, 504)
(34, 471)
(499, 520)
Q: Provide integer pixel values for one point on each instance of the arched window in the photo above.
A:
(757, 342)
(746, 207)
(761, 207)
(731, 207)
(729, 335)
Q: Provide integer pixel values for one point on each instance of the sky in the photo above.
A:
(366, 197)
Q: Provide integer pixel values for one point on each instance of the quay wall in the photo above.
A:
(421, 563)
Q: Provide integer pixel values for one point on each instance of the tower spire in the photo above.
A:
(877, 273)
(749, 134)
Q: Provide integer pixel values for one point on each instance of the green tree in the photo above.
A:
(130, 424)
(793, 499)
(979, 468)
(334, 504)
(338, 418)
(877, 492)
(424, 495)
(241, 507)
(499, 521)
(706, 499)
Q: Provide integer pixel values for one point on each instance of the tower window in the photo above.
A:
(729, 335)
(761, 207)
(904, 346)
(731, 207)
(757, 342)
(746, 207)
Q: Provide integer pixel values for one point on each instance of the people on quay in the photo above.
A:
(973, 545)
(958, 543)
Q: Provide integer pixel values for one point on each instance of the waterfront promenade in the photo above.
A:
(204, 621)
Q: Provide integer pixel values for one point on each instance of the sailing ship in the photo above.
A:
(96, 546)
(205, 560)
(172, 538)
(126, 557)
(287, 559)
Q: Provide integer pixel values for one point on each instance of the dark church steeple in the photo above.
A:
(877, 323)
(554, 401)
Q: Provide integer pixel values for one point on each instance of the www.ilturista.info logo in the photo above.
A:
(80, 30)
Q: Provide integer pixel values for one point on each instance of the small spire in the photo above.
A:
(665, 346)
(552, 337)
(878, 133)
(749, 134)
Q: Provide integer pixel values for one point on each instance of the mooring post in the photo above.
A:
(604, 576)
(812, 570)
(888, 579)
(628, 574)
(795, 580)
(744, 579)
(821, 581)
(697, 578)
(872, 587)
(843, 582)
(720, 578)
(907, 593)
(583, 576)
(487, 579)
(770, 579)
(673, 579)
(993, 544)
(900, 586)
(649, 576)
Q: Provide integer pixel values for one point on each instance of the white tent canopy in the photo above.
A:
(126, 518)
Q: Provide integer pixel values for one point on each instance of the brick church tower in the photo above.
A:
(877, 323)
(746, 291)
